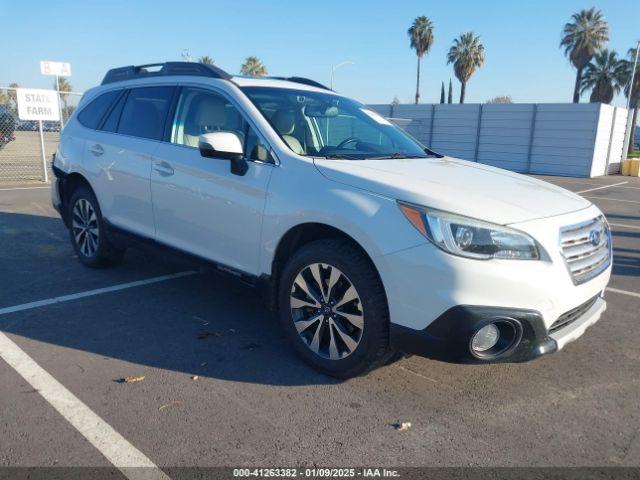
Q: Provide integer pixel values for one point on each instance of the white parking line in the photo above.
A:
(124, 456)
(623, 292)
(612, 199)
(623, 225)
(600, 188)
(22, 188)
(89, 293)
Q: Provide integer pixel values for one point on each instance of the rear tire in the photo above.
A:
(333, 309)
(88, 233)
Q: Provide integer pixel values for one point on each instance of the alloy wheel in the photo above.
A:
(84, 224)
(327, 311)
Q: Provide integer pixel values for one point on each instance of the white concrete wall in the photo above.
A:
(550, 139)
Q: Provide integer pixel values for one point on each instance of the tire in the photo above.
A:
(321, 334)
(88, 233)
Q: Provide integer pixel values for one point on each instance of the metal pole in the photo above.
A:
(334, 67)
(45, 170)
(633, 75)
(59, 102)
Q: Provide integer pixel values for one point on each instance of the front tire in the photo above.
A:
(88, 233)
(333, 309)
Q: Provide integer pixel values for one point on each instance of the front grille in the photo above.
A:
(586, 248)
(572, 315)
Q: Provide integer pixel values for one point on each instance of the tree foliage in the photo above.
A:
(206, 59)
(586, 34)
(501, 99)
(467, 55)
(253, 66)
(420, 39)
(604, 76)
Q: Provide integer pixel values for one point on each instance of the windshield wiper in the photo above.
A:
(341, 156)
(396, 155)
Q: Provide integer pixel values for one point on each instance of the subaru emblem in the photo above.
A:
(594, 237)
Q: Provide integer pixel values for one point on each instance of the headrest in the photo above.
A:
(284, 121)
(210, 111)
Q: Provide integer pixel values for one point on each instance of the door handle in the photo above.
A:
(164, 169)
(97, 150)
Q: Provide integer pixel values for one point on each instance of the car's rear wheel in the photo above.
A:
(333, 308)
(87, 231)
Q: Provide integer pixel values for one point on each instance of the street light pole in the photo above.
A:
(633, 75)
(334, 67)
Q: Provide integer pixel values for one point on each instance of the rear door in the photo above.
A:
(122, 151)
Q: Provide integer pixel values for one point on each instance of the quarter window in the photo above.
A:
(92, 114)
(110, 124)
(145, 111)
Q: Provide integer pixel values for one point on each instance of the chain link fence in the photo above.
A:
(26, 146)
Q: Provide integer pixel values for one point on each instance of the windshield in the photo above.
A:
(326, 125)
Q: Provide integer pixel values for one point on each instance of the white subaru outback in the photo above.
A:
(369, 242)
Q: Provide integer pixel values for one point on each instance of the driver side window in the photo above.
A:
(202, 111)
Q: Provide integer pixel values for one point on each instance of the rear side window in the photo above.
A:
(92, 114)
(145, 111)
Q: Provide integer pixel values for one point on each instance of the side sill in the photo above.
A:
(123, 237)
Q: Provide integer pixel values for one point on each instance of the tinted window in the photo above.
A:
(111, 123)
(92, 114)
(323, 124)
(145, 111)
(202, 111)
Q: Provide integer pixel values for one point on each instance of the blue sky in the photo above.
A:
(305, 38)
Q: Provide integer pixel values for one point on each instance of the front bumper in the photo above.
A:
(448, 338)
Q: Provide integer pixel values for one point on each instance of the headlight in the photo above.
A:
(468, 237)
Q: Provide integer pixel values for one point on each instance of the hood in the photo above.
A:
(457, 186)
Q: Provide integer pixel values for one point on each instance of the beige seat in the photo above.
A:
(207, 114)
(284, 121)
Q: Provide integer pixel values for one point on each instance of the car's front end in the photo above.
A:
(525, 299)
(487, 265)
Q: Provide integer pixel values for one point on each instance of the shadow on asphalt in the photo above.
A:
(206, 324)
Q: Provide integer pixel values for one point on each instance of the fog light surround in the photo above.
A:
(495, 338)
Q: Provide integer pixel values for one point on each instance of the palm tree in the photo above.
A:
(206, 59)
(421, 38)
(626, 72)
(253, 66)
(13, 95)
(582, 38)
(603, 76)
(63, 87)
(466, 54)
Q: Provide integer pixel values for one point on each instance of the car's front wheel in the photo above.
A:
(333, 308)
(87, 231)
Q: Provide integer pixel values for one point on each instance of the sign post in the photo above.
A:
(40, 105)
(58, 69)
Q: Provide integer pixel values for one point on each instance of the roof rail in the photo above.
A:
(162, 69)
(303, 80)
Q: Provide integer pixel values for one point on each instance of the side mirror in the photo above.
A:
(224, 145)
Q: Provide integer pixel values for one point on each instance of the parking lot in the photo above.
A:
(221, 386)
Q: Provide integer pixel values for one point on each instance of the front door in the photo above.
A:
(199, 206)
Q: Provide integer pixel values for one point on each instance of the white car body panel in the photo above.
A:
(204, 209)
(466, 188)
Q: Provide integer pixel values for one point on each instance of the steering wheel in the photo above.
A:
(347, 141)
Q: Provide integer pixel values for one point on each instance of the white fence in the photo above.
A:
(582, 140)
